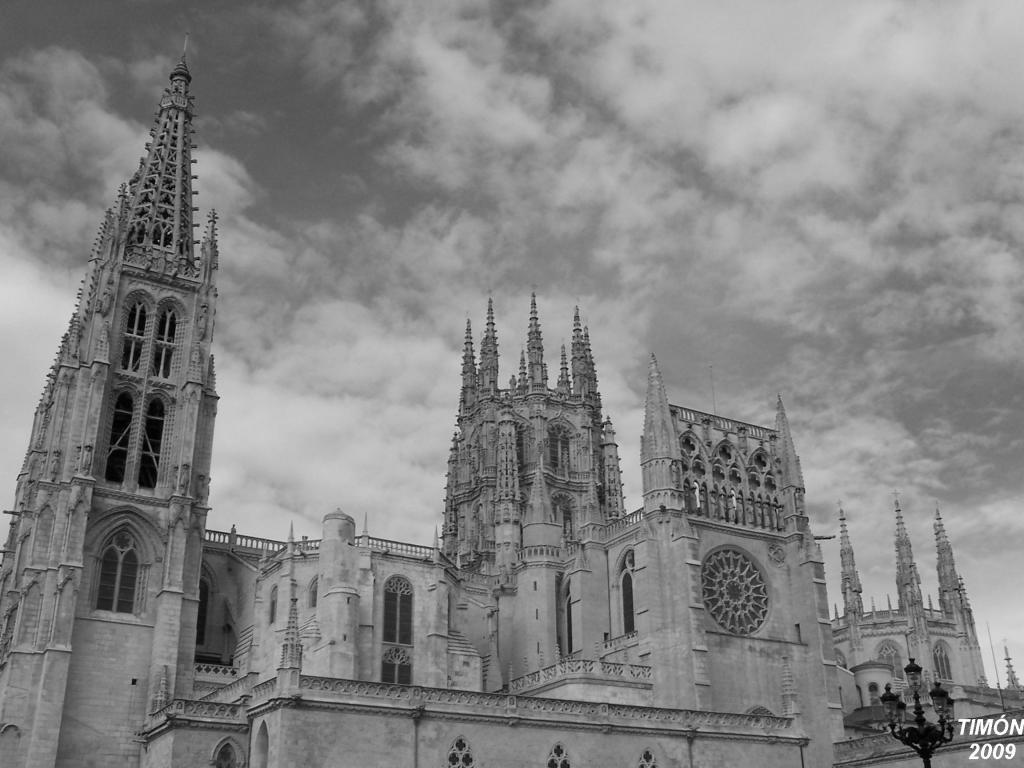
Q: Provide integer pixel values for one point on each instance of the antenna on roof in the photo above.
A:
(711, 376)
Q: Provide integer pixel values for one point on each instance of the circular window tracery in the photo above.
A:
(734, 591)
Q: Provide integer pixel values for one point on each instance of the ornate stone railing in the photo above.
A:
(586, 668)
(230, 692)
(204, 709)
(241, 541)
(264, 689)
(722, 423)
(222, 671)
(506, 705)
(395, 547)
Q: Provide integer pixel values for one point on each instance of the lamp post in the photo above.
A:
(921, 736)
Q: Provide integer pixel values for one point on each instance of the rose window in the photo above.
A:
(734, 591)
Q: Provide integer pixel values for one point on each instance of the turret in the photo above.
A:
(338, 601)
(614, 504)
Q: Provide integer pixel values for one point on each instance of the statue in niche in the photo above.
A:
(55, 465)
(201, 321)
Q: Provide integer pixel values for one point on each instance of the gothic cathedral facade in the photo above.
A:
(548, 625)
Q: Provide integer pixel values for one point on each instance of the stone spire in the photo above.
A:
(489, 354)
(850, 579)
(523, 381)
(1012, 683)
(564, 387)
(949, 579)
(469, 373)
(537, 371)
(614, 504)
(160, 211)
(291, 648)
(659, 450)
(792, 472)
(539, 507)
(908, 581)
(580, 379)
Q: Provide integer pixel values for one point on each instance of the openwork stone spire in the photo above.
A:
(949, 579)
(852, 603)
(160, 211)
(291, 648)
(489, 353)
(538, 373)
(908, 581)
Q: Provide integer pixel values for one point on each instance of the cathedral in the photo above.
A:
(547, 625)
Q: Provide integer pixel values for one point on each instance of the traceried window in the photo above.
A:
(626, 588)
(889, 652)
(734, 591)
(119, 575)
(163, 348)
(460, 755)
(152, 436)
(272, 609)
(120, 434)
(558, 449)
(562, 507)
(396, 666)
(396, 663)
(134, 338)
(558, 758)
(647, 760)
(313, 588)
(940, 659)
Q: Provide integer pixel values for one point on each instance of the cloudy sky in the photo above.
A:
(818, 199)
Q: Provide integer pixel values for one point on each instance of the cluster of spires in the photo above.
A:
(952, 594)
(577, 372)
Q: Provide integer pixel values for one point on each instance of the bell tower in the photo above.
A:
(99, 579)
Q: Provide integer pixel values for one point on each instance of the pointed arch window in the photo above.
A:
(398, 611)
(626, 588)
(396, 662)
(272, 611)
(940, 659)
(460, 755)
(120, 433)
(558, 758)
(163, 348)
(134, 338)
(647, 760)
(889, 652)
(226, 757)
(313, 589)
(558, 449)
(152, 437)
(119, 575)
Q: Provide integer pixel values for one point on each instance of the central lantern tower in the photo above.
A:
(530, 464)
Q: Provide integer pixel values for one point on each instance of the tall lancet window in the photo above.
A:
(134, 338)
(119, 574)
(163, 349)
(626, 585)
(940, 657)
(396, 662)
(120, 431)
(152, 436)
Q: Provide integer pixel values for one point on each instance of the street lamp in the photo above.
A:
(921, 736)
